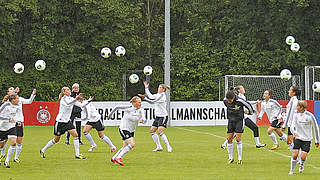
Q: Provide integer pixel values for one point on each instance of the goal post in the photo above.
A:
(255, 85)
(311, 75)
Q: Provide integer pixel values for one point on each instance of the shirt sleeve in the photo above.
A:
(117, 108)
(149, 95)
(315, 129)
(157, 99)
(27, 101)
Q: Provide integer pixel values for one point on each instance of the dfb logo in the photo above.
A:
(43, 115)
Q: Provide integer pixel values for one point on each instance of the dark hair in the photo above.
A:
(12, 96)
(270, 91)
(296, 90)
(230, 94)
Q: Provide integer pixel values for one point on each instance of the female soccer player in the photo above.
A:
(9, 112)
(63, 122)
(273, 110)
(160, 123)
(90, 114)
(235, 114)
(248, 119)
(132, 115)
(301, 128)
(291, 107)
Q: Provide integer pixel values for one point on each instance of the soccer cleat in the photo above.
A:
(42, 154)
(261, 145)
(17, 160)
(291, 172)
(81, 143)
(223, 146)
(239, 162)
(170, 149)
(157, 149)
(113, 160)
(6, 164)
(119, 161)
(113, 149)
(301, 168)
(80, 156)
(230, 161)
(275, 146)
(67, 143)
(91, 148)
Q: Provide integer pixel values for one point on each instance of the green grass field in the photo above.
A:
(196, 155)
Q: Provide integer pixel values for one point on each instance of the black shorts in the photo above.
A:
(276, 124)
(97, 125)
(289, 132)
(20, 129)
(160, 121)
(61, 127)
(126, 134)
(4, 134)
(303, 145)
(235, 126)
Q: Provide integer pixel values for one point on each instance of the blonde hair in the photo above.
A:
(62, 92)
(303, 104)
(5, 98)
(134, 99)
(165, 87)
(75, 85)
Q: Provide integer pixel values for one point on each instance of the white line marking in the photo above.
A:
(275, 152)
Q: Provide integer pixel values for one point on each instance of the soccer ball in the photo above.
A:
(285, 74)
(18, 68)
(295, 47)
(134, 78)
(120, 51)
(316, 87)
(105, 52)
(40, 65)
(147, 70)
(290, 40)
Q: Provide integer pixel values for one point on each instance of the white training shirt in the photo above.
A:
(253, 116)
(8, 111)
(159, 101)
(302, 126)
(24, 101)
(65, 108)
(291, 108)
(272, 108)
(131, 117)
(90, 113)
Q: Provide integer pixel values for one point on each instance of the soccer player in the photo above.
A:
(9, 112)
(90, 113)
(75, 115)
(133, 115)
(235, 114)
(248, 119)
(273, 110)
(160, 123)
(301, 128)
(63, 122)
(291, 108)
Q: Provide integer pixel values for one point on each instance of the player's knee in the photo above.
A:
(132, 144)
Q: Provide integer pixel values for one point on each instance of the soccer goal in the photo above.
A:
(256, 85)
(311, 75)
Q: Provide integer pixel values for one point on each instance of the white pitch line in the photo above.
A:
(275, 152)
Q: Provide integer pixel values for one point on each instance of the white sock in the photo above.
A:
(284, 137)
(239, 149)
(225, 143)
(291, 147)
(165, 139)
(124, 151)
(18, 151)
(274, 138)
(230, 150)
(293, 164)
(89, 138)
(10, 152)
(299, 157)
(115, 155)
(107, 140)
(76, 145)
(156, 139)
(3, 151)
(49, 144)
(257, 139)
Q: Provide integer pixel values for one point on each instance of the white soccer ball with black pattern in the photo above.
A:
(40, 65)
(285, 74)
(316, 87)
(18, 68)
(105, 52)
(290, 40)
(147, 70)
(295, 47)
(134, 78)
(120, 51)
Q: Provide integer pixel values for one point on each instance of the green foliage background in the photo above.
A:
(209, 39)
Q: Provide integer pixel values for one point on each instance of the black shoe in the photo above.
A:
(6, 164)
(67, 143)
(81, 143)
(42, 154)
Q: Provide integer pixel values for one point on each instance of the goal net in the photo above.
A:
(256, 85)
(312, 74)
